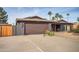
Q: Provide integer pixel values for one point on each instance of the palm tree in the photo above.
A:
(53, 18)
(57, 16)
(50, 15)
(60, 16)
(68, 15)
(78, 19)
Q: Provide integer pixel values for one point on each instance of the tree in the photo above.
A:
(60, 16)
(50, 15)
(68, 15)
(3, 16)
(57, 16)
(53, 18)
(78, 19)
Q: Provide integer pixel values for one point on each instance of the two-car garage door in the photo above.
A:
(35, 28)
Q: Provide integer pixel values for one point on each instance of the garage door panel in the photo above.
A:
(36, 28)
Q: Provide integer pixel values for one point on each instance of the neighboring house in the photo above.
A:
(36, 24)
(76, 25)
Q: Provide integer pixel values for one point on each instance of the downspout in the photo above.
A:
(24, 28)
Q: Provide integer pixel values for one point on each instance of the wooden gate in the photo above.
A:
(5, 30)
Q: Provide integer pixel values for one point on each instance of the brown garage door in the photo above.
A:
(36, 28)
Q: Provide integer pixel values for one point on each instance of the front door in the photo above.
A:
(58, 28)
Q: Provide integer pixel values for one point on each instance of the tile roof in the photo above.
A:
(40, 19)
(34, 17)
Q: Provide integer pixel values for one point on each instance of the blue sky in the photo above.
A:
(20, 12)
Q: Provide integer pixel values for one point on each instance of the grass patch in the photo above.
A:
(76, 31)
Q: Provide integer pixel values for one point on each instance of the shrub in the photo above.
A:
(49, 33)
(76, 31)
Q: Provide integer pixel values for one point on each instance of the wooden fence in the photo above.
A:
(5, 30)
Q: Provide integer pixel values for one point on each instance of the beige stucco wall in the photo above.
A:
(65, 26)
(20, 29)
(68, 27)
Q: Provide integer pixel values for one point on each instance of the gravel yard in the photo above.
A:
(39, 43)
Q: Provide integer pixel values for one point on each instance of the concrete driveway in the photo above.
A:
(38, 43)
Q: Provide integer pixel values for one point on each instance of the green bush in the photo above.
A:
(76, 31)
(49, 33)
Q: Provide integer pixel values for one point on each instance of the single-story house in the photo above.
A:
(36, 24)
(76, 25)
